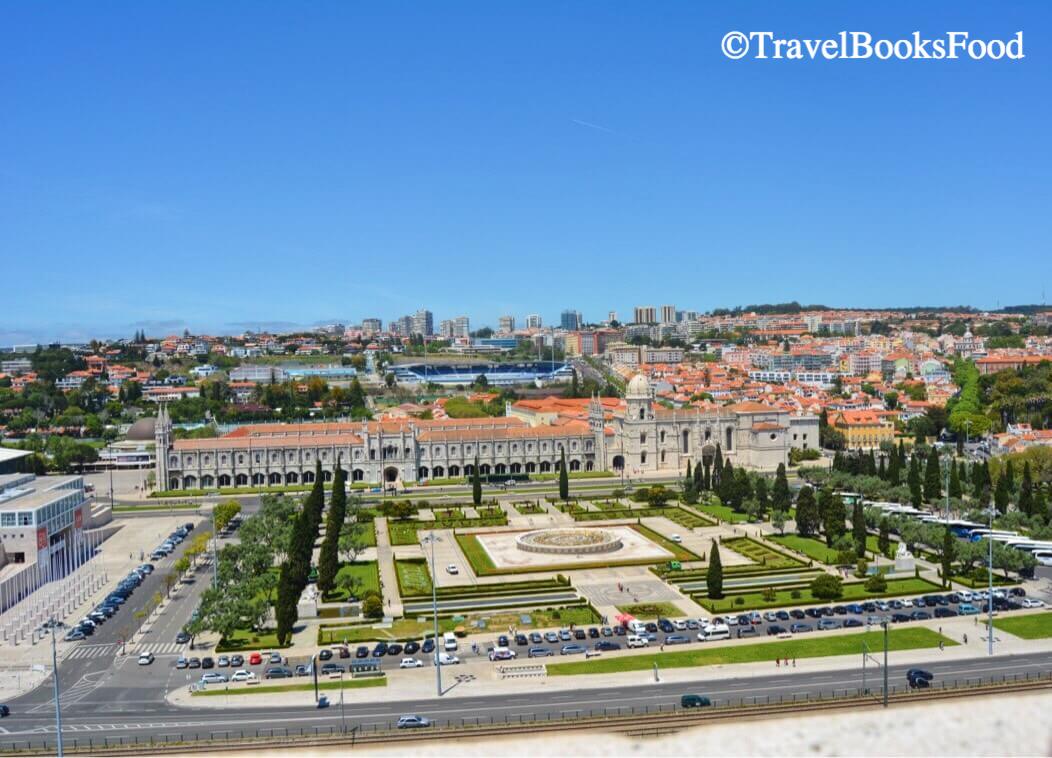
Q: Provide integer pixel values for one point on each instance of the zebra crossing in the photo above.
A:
(100, 650)
(160, 648)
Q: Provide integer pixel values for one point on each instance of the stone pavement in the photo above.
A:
(385, 563)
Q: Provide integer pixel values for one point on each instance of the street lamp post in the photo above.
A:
(990, 587)
(58, 702)
(434, 607)
(215, 556)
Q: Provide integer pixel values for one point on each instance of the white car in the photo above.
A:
(447, 659)
(145, 659)
(243, 675)
(676, 538)
(966, 596)
(452, 569)
(213, 677)
(1032, 602)
(907, 602)
(410, 663)
(680, 624)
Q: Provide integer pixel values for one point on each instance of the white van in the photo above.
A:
(714, 632)
(634, 640)
(636, 626)
(449, 641)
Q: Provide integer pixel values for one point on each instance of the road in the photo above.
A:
(143, 714)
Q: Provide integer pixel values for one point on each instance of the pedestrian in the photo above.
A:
(794, 663)
(940, 630)
(966, 639)
(941, 647)
(778, 662)
(662, 647)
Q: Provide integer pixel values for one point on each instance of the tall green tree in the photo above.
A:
(1002, 494)
(329, 557)
(884, 538)
(476, 483)
(955, 483)
(717, 467)
(714, 574)
(1026, 491)
(780, 497)
(807, 517)
(913, 479)
(564, 479)
(947, 555)
(832, 515)
(932, 477)
(762, 498)
(1009, 474)
(858, 528)
(894, 470)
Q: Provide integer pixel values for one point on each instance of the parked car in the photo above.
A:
(539, 652)
(361, 652)
(241, 675)
(799, 628)
(181, 663)
(213, 677)
(572, 649)
(677, 639)
(208, 663)
(223, 661)
(775, 629)
(828, 624)
(194, 663)
(410, 663)
(332, 668)
(254, 659)
(237, 660)
(606, 645)
(278, 672)
(324, 654)
(411, 647)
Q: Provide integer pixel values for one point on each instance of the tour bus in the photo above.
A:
(983, 532)
(1044, 557)
(449, 641)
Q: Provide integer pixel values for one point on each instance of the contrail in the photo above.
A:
(593, 126)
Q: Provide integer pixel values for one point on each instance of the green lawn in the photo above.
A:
(405, 532)
(783, 598)
(814, 549)
(414, 578)
(1034, 627)
(246, 639)
(679, 552)
(812, 647)
(723, 513)
(367, 574)
(761, 554)
(408, 629)
(651, 610)
(347, 684)
(529, 509)
(676, 515)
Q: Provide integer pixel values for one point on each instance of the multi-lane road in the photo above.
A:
(141, 714)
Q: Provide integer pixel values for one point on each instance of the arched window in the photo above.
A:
(686, 441)
(730, 438)
(643, 457)
(642, 414)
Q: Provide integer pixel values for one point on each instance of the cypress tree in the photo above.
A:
(977, 481)
(476, 482)
(707, 478)
(894, 469)
(884, 539)
(690, 474)
(761, 496)
(871, 464)
(962, 473)
(1010, 474)
(955, 483)
(714, 575)
(1040, 504)
(1002, 494)
(947, 555)
(902, 455)
(858, 528)
(1026, 491)
(914, 481)
(932, 477)
(329, 558)
(827, 517)
(564, 480)
(807, 519)
(780, 498)
(882, 471)
(717, 467)
(699, 478)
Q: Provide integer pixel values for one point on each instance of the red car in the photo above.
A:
(255, 659)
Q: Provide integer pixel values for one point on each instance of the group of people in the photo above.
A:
(778, 662)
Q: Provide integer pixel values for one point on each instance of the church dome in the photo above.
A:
(638, 386)
(142, 430)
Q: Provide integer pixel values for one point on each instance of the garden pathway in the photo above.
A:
(388, 577)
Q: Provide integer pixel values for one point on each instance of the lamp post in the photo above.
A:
(434, 606)
(58, 701)
(990, 587)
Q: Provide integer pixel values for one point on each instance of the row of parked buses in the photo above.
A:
(968, 530)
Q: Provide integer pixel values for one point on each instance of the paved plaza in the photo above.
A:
(503, 549)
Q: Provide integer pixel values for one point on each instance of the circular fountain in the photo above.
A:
(569, 541)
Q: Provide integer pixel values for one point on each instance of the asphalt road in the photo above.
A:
(130, 717)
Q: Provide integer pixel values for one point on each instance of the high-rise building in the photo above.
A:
(372, 325)
(461, 327)
(668, 314)
(506, 324)
(611, 316)
(570, 320)
(445, 328)
(423, 323)
(403, 326)
(644, 314)
(533, 321)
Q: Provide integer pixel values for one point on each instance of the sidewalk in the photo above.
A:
(388, 576)
(480, 677)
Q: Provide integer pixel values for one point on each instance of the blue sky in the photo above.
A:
(228, 164)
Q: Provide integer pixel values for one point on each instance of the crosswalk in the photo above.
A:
(100, 650)
(160, 648)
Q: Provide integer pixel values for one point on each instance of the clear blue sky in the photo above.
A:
(228, 164)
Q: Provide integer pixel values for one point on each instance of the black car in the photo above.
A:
(324, 655)
(182, 637)
(607, 645)
(954, 597)
(394, 649)
(380, 649)
(852, 622)
(869, 607)
(4, 711)
(796, 613)
(664, 625)
(502, 641)
(520, 639)
(813, 613)
(899, 618)
(839, 610)
(920, 615)
(237, 660)
(620, 631)
(782, 615)
(593, 633)
(774, 629)
(428, 646)
(411, 647)
(281, 672)
(652, 627)
(944, 613)
(361, 652)
(332, 668)
(1017, 592)
(579, 634)
(208, 663)
(919, 678)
